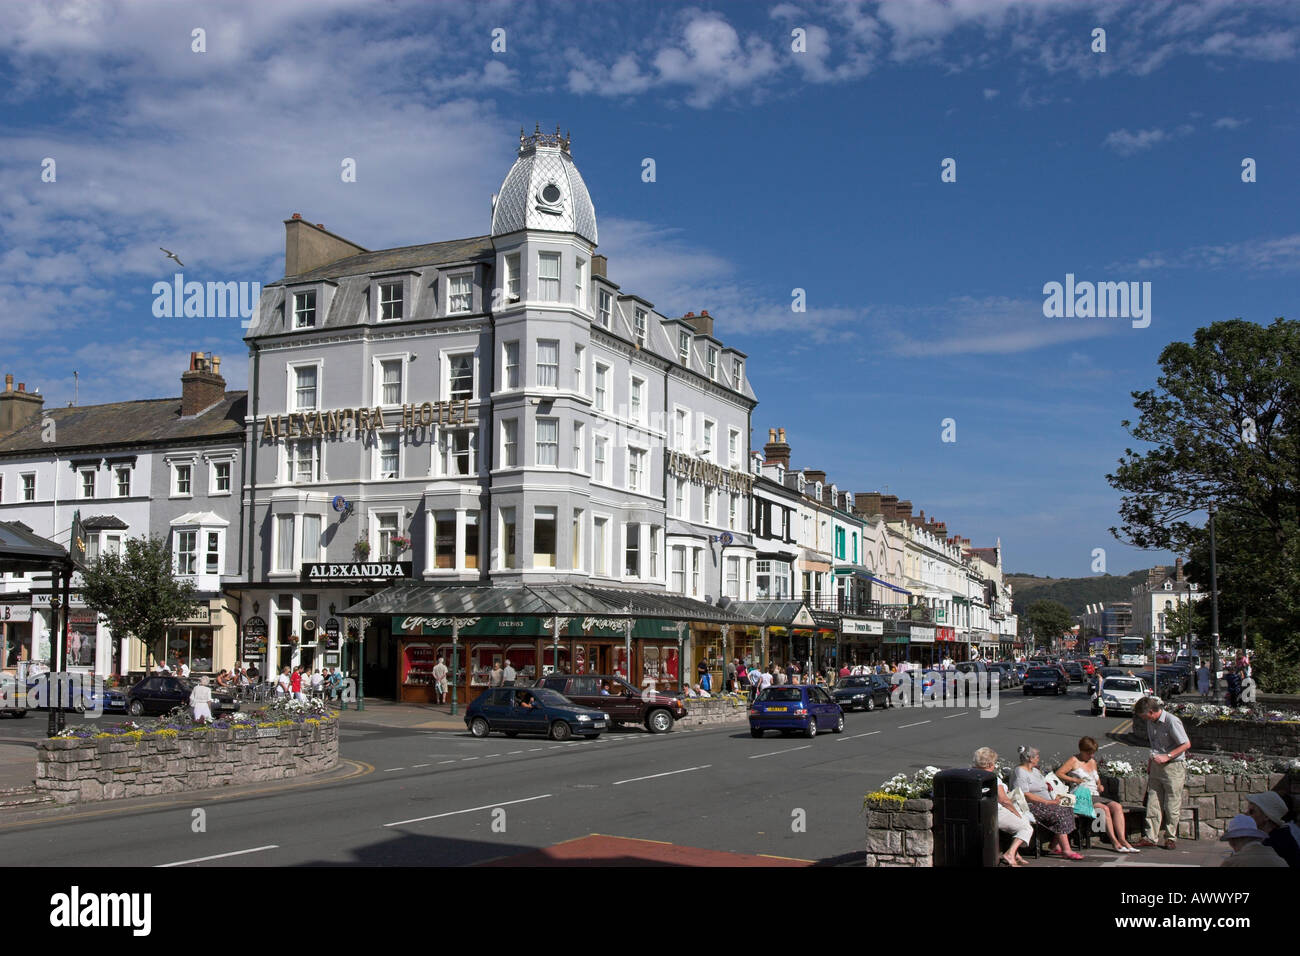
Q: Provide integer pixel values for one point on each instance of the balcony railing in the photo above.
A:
(861, 607)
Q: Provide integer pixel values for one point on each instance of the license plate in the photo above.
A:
(777, 710)
(599, 725)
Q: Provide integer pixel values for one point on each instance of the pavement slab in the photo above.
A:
(600, 850)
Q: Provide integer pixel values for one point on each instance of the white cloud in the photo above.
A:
(1229, 122)
(1126, 143)
(1278, 254)
(990, 94)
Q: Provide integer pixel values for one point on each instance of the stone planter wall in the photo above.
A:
(1219, 797)
(902, 836)
(709, 710)
(1239, 736)
(74, 770)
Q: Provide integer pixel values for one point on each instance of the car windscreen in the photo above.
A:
(1044, 672)
(551, 698)
(781, 694)
(1121, 683)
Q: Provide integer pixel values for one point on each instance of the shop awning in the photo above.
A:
(884, 584)
(774, 613)
(20, 550)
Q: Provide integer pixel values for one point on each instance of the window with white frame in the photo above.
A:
(304, 388)
(578, 462)
(773, 580)
(636, 410)
(302, 460)
(389, 456)
(548, 276)
(709, 428)
(548, 442)
(510, 363)
(733, 578)
(681, 429)
(390, 301)
(575, 541)
(733, 448)
(87, 483)
(678, 570)
(29, 487)
(304, 310)
(737, 373)
(512, 276)
(600, 449)
(187, 558)
(510, 442)
(605, 307)
(457, 451)
(460, 376)
(460, 293)
(636, 469)
(220, 478)
(680, 503)
(548, 363)
(733, 513)
(386, 531)
(713, 363)
(639, 325)
(632, 550)
(509, 541)
(284, 543)
(656, 544)
(544, 537)
(182, 480)
(311, 537)
(708, 505)
(390, 376)
(469, 551)
(580, 283)
(602, 387)
(695, 571)
(579, 360)
(444, 540)
(684, 346)
(600, 545)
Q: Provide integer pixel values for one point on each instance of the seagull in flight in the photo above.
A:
(172, 255)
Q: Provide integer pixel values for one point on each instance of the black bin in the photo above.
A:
(965, 818)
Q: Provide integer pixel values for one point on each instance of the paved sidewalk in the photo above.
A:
(17, 765)
(1189, 853)
(387, 713)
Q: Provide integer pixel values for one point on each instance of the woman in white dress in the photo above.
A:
(1010, 820)
(201, 700)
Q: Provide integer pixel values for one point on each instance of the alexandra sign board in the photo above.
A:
(708, 474)
(357, 571)
(533, 626)
(349, 423)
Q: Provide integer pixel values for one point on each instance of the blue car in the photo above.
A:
(807, 709)
(532, 710)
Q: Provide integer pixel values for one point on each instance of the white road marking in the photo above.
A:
(917, 724)
(962, 714)
(513, 752)
(417, 766)
(440, 762)
(856, 736)
(1104, 746)
(668, 774)
(220, 856)
(536, 750)
(452, 813)
(469, 758)
(485, 756)
(775, 752)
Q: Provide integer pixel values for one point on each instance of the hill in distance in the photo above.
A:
(1074, 593)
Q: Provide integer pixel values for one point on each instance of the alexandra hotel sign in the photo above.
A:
(356, 571)
(348, 423)
(706, 473)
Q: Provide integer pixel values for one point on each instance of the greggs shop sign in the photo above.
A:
(348, 423)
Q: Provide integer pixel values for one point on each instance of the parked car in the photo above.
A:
(1006, 675)
(798, 707)
(1074, 672)
(1119, 694)
(13, 700)
(159, 693)
(1021, 670)
(655, 710)
(1168, 684)
(866, 693)
(1043, 680)
(532, 710)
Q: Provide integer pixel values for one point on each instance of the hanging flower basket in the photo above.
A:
(361, 549)
(400, 543)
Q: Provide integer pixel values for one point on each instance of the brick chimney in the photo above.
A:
(17, 408)
(1178, 570)
(867, 503)
(600, 266)
(903, 511)
(889, 507)
(308, 247)
(702, 323)
(202, 386)
(814, 476)
(776, 451)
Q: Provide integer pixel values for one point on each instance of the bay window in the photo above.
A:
(544, 537)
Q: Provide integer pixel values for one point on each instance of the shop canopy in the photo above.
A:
(775, 613)
(21, 550)
(424, 609)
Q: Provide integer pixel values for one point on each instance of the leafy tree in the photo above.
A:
(1049, 619)
(137, 592)
(1183, 621)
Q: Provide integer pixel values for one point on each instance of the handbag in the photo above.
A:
(1083, 802)
(1057, 788)
(1022, 805)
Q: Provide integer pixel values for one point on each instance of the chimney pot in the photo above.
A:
(780, 432)
(297, 215)
(9, 382)
(704, 311)
(22, 387)
(320, 225)
(690, 315)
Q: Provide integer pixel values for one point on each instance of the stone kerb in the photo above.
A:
(72, 770)
(900, 832)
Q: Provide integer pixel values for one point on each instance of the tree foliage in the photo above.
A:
(1049, 619)
(137, 592)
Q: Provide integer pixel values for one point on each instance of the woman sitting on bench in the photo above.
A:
(1081, 771)
(1053, 814)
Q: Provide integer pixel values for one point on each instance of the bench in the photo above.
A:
(1140, 811)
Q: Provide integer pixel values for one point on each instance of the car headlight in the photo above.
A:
(583, 717)
(859, 696)
(1110, 700)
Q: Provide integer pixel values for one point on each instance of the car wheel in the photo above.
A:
(593, 736)
(754, 732)
(561, 731)
(871, 704)
(812, 727)
(135, 708)
(659, 722)
(479, 727)
(839, 725)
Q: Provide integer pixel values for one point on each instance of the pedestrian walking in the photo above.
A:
(508, 675)
(1203, 680)
(731, 675)
(1166, 772)
(497, 677)
(440, 681)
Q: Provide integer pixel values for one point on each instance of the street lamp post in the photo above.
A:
(455, 661)
(1214, 610)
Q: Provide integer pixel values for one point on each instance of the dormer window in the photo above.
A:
(639, 325)
(605, 307)
(737, 373)
(390, 301)
(780, 475)
(684, 347)
(818, 489)
(304, 310)
(460, 293)
(713, 364)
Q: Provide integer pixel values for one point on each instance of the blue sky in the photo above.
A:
(775, 170)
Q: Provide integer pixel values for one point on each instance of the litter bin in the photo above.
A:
(965, 818)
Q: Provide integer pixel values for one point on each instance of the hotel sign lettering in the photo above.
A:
(375, 571)
(351, 422)
(707, 473)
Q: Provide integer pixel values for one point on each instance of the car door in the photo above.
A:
(624, 703)
(528, 720)
(494, 708)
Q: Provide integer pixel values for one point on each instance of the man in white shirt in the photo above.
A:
(440, 679)
(509, 674)
(283, 682)
(185, 669)
(764, 681)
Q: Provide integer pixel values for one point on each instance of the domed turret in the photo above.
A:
(544, 190)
